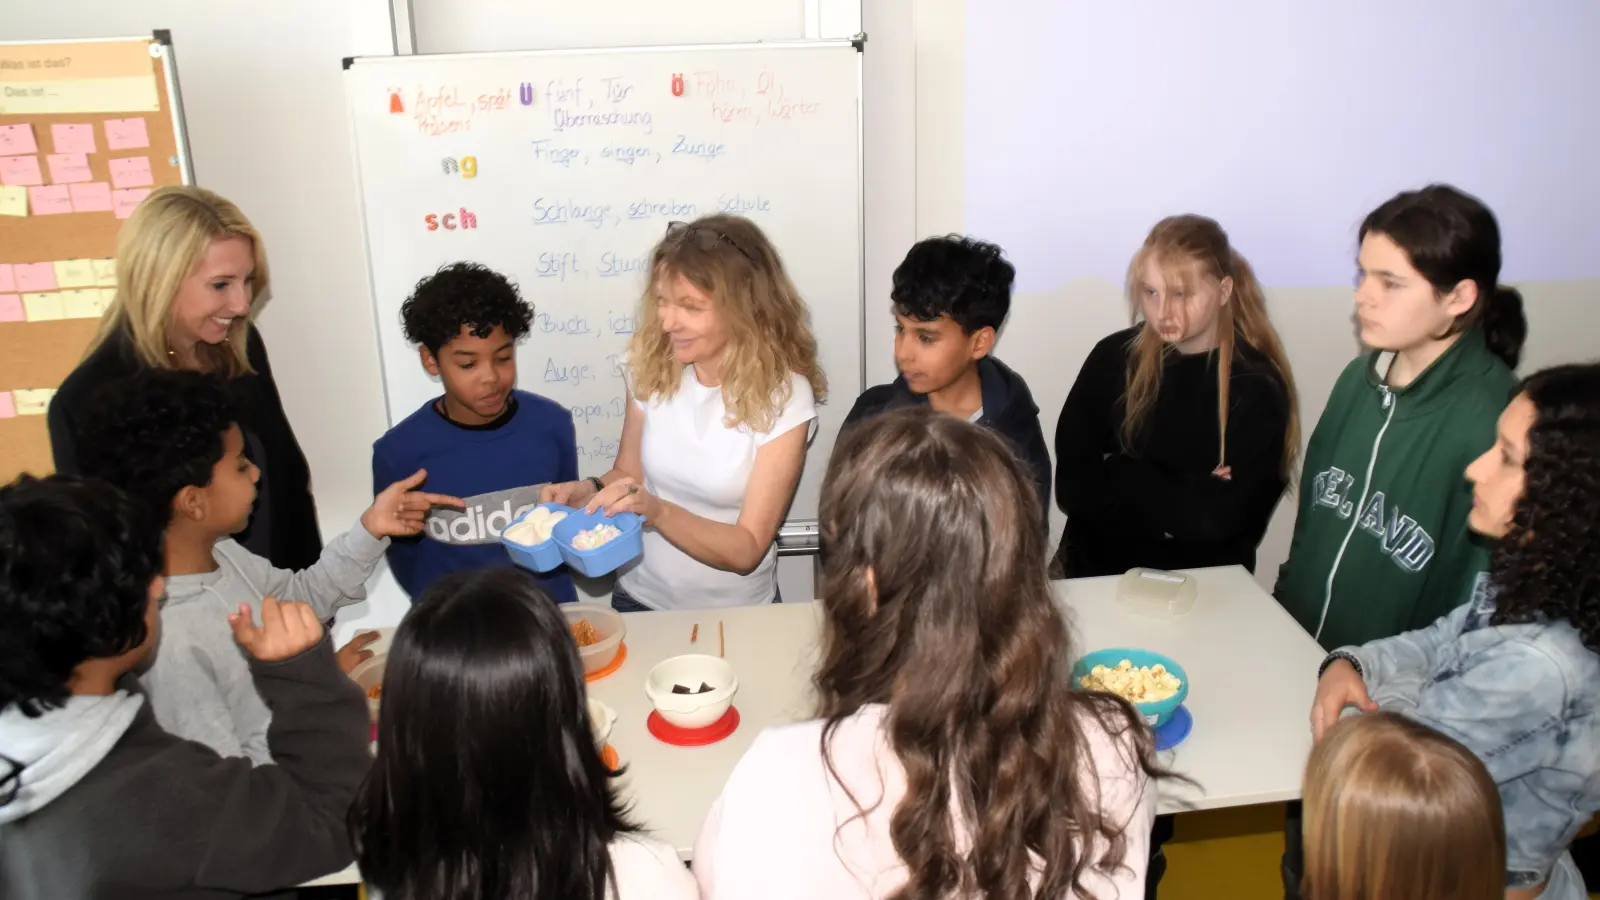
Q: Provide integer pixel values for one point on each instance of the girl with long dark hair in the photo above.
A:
(488, 783)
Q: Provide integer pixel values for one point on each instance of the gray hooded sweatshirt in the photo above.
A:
(62, 746)
(200, 686)
(110, 806)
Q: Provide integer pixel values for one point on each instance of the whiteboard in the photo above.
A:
(577, 162)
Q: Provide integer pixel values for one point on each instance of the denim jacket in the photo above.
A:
(1525, 699)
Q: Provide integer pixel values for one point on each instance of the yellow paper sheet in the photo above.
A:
(89, 95)
(84, 303)
(43, 307)
(34, 402)
(13, 200)
(74, 273)
(105, 272)
(108, 298)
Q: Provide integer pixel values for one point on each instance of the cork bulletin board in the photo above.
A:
(87, 129)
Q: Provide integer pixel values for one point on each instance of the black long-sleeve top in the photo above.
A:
(283, 527)
(1160, 506)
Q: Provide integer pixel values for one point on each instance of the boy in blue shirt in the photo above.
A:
(483, 441)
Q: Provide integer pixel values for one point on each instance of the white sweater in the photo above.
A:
(784, 830)
(649, 869)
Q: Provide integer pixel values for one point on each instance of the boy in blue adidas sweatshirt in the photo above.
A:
(483, 441)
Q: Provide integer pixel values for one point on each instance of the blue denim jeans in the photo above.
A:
(623, 603)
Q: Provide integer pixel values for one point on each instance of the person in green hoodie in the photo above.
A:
(1381, 544)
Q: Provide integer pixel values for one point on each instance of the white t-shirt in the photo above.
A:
(692, 459)
(648, 869)
(784, 829)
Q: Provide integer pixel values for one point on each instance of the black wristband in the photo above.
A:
(1337, 655)
(598, 484)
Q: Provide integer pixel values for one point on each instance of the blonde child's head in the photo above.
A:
(1396, 809)
(1195, 293)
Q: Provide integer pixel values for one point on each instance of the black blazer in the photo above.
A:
(283, 527)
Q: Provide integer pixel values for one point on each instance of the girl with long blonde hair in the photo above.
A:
(723, 383)
(1396, 809)
(190, 271)
(1181, 432)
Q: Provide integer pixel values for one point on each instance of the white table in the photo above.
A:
(1252, 673)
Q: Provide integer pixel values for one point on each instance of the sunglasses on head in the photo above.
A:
(705, 237)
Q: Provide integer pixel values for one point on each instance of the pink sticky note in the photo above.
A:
(93, 197)
(48, 201)
(11, 308)
(33, 278)
(69, 168)
(8, 406)
(20, 170)
(125, 134)
(133, 171)
(8, 281)
(73, 138)
(123, 202)
(17, 139)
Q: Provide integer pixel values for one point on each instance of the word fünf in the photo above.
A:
(451, 221)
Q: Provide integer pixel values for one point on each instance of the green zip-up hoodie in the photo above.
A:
(1381, 543)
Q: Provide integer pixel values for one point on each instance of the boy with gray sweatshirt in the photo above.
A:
(171, 439)
(96, 801)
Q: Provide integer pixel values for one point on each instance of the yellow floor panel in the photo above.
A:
(1228, 854)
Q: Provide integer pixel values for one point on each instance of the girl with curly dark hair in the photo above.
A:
(1514, 674)
(950, 756)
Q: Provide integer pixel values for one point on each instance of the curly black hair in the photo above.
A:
(460, 294)
(1544, 566)
(956, 276)
(155, 433)
(77, 558)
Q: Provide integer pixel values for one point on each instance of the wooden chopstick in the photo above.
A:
(695, 634)
(722, 641)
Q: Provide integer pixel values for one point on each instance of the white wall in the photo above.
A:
(1050, 332)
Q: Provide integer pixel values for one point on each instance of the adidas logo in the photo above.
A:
(473, 525)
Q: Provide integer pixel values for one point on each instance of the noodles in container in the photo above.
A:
(597, 630)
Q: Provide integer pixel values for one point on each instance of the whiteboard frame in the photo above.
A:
(795, 536)
(817, 14)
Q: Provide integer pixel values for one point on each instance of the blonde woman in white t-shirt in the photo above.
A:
(723, 383)
(950, 756)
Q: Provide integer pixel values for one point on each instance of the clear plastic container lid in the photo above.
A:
(1158, 593)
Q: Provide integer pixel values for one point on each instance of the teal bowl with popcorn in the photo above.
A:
(1155, 714)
